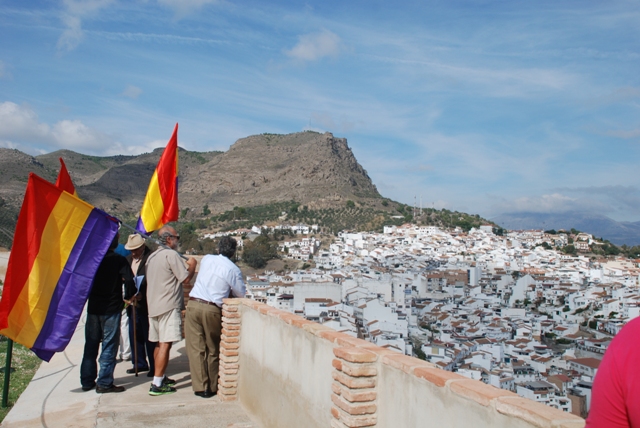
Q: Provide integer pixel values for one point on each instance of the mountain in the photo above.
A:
(599, 225)
(314, 169)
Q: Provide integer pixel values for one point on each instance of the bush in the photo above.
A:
(253, 257)
(417, 350)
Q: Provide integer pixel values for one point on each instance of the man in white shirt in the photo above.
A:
(217, 279)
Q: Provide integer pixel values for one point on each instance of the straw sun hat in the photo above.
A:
(135, 241)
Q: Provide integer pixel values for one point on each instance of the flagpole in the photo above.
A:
(152, 240)
(7, 374)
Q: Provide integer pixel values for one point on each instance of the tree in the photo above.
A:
(419, 352)
(351, 204)
(257, 253)
(205, 210)
(253, 257)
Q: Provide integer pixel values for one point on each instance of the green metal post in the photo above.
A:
(7, 374)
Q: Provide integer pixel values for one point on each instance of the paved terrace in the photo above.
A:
(54, 398)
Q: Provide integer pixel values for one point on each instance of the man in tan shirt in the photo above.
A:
(166, 272)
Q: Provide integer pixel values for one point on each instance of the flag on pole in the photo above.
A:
(58, 245)
(160, 206)
(64, 180)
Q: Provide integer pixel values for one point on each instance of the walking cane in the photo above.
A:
(135, 339)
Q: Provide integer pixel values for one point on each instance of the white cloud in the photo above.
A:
(21, 122)
(75, 12)
(183, 8)
(626, 135)
(75, 134)
(20, 126)
(132, 92)
(550, 203)
(312, 47)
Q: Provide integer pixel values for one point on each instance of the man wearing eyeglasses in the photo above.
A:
(166, 273)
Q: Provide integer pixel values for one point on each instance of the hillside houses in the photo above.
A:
(499, 309)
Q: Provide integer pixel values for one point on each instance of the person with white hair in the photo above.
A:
(166, 272)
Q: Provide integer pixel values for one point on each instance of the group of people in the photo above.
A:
(150, 285)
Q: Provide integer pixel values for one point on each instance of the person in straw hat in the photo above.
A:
(143, 355)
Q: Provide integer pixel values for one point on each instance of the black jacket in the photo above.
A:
(106, 292)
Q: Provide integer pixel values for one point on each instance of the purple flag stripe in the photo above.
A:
(140, 227)
(74, 285)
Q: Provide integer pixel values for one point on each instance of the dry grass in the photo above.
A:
(24, 365)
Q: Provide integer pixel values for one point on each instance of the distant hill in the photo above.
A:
(599, 225)
(315, 169)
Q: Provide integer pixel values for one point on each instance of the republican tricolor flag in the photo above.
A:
(58, 245)
(160, 206)
(64, 180)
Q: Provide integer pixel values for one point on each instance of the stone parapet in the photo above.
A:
(229, 350)
(354, 388)
(340, 381)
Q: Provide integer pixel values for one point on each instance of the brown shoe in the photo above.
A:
(112, 388)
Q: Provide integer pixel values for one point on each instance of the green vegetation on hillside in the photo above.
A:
(258, 252)
(351, 216)
(8, 219)
(330, 220)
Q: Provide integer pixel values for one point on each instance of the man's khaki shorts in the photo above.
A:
(166, 328)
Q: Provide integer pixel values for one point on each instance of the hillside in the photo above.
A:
(318, 170)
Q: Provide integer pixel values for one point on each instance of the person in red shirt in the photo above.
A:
(616, 388)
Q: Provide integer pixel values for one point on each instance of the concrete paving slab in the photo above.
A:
(54, 398)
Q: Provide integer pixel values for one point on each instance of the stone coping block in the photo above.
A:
(336, 364)
(358, 395)
(229, 339)
(315, 328)
(231, 323)
(437, 376)
(355, 408)
(228, 314)
(537, 413)
(405, 363)
(354, 382)
(359, 370)
(355, 355)
(343, 419)
(478, 391)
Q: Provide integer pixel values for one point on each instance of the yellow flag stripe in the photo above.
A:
(153, 206)
(58, 238)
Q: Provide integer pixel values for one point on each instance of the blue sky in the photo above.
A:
(484, 107)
